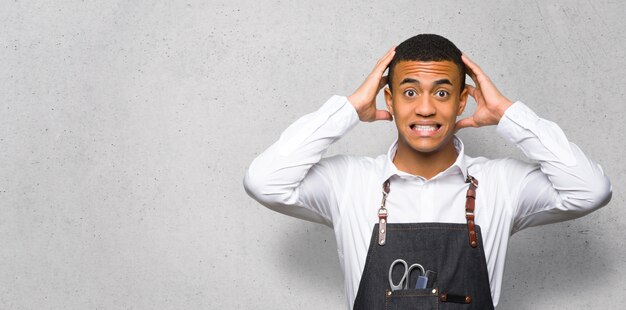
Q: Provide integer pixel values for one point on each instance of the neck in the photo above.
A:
(422, 164)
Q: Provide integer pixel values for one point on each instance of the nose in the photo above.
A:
(425, 107)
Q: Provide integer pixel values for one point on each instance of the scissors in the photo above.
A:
(404, 281)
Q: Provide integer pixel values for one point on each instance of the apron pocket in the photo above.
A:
(412, 299)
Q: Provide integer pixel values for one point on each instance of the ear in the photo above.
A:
(389, 100)
(462, 101)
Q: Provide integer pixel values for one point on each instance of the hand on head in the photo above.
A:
(490, 103)
(364, 98)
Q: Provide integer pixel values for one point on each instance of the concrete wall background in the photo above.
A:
(126, 128)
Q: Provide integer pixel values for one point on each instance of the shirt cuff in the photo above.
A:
(538, 138)
(349, 110)
(333, 119)
(339, 111)
(515, 120)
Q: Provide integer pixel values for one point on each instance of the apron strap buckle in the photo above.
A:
(382, 216)
(382, 226)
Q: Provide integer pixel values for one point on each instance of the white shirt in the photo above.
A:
(344, 192)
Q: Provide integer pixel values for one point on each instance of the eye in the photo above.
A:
(442, 93)
(410, 93)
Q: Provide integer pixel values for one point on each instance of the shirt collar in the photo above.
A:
(459, 165)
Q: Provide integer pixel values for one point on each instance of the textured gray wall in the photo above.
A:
(126, 128)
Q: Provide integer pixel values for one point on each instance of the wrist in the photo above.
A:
(502, 107)
(354, 102)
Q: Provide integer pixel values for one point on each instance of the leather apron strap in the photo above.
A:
(470, 199)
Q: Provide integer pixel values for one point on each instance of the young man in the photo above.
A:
(451, 213)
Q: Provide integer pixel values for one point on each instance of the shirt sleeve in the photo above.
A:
(563, 184)
(290, 177)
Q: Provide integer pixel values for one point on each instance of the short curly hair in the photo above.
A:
(428, 47)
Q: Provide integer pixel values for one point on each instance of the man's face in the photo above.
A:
(425, 102)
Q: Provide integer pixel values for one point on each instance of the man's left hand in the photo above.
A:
(490, 103)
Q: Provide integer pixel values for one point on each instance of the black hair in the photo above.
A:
(428, 47)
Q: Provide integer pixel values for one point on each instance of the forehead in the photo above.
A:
(426, 70)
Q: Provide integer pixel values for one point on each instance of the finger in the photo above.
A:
(475, 93)
(375, 81)
(464, 123)
(382, 82)
(474, 70)
(391, 51)
(470, 68)
(382, 115)
(384, 62)
(467, 61)
(471, 90)
(379, 69)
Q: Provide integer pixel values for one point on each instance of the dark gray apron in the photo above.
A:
(454, 251)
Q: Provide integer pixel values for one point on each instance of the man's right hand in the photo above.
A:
(364, 98)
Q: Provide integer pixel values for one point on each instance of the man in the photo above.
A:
(450, 213)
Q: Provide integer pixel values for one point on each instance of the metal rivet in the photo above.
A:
(388, 293)
(434, 291)
(382, 221)
(382, 231)
(382, 241)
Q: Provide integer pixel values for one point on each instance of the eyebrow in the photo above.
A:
(410, 81)
(437, 82)
(443, 81)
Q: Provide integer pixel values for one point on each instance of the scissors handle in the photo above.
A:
(408, 274)
(404, 276)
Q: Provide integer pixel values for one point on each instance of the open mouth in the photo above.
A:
(425, 129)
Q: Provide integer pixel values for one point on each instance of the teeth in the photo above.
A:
(424, 128)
